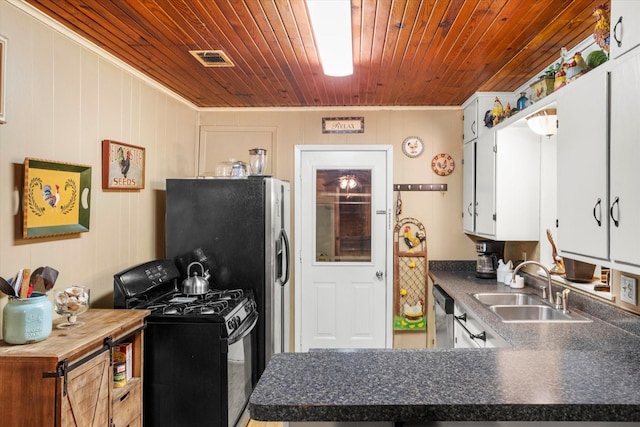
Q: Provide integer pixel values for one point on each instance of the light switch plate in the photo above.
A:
(628, 288)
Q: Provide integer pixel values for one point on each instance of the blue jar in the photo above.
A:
(27, 320)
(522, 101)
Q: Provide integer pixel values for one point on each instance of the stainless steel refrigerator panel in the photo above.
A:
(235, 224)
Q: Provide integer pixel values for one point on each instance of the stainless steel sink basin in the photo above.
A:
(507, 298)
(519, 307)
(535, 314)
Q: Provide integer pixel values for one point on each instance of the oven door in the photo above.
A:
(240, 369)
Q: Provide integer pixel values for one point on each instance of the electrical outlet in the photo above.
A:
(628, 287)
(524, 255)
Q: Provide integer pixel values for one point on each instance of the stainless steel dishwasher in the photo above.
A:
(443, 308)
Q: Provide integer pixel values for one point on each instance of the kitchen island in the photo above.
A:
(585, 372)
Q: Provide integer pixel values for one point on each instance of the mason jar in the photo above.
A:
(27, 320)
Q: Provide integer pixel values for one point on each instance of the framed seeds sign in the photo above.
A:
(122, 166)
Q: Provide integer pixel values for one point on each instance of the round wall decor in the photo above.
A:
(443, 164)
(412, 146)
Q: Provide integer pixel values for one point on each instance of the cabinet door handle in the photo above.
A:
(475, 211)
(615, 32)
(615, 203)
(463, 318)
(125, 396)
(598, 215)
(469, 209)
(474, 128)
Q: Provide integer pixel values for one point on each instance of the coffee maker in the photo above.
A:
(489, 252)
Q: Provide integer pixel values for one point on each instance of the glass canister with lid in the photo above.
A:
(27, 320)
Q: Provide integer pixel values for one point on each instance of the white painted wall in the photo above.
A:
(62, 100)
(439, 128)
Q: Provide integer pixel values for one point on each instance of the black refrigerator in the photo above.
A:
(239, 230)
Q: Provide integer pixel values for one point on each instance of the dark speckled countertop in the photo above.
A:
(551, 372)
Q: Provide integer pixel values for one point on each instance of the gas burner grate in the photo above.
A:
(226, 294)
(215, 301)
(208, 307)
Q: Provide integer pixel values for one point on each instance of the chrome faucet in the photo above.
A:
(546, 270)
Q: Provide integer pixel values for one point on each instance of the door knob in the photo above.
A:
(379, 274)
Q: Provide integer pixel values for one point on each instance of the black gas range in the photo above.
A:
(200, 350)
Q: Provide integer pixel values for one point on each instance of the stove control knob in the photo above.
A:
(250, 307)
(234, 323)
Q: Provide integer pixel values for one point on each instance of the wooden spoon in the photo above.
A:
(559, 264)
(24, 286)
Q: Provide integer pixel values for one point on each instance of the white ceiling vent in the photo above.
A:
(212, 58)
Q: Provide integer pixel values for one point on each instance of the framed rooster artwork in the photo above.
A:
(122, 166)
(56, 198)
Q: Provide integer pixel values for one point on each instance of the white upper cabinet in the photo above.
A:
(506, 195)
(475, 109)
(486, 185)
(599, 165)
(517, 188)
(624, 198)
(582, 166)
(468, 187)
(625, 26)
(470, 121)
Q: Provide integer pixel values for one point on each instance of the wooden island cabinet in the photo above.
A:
(67, 379)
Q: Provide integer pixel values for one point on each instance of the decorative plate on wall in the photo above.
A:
(443, 164)
(412, 146)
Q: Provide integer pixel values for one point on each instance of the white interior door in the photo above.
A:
(343, 245)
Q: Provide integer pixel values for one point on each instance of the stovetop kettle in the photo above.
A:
(194, 284)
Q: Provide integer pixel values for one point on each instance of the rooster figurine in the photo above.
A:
(124, 162)
(601, 31)
(49, 196)
(411, 240)
(497, 111)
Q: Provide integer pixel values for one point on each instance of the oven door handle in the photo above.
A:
(243, 332)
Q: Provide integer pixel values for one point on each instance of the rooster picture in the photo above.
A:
(49, 196)
(124, 161)
(411, 240)
(601, 30)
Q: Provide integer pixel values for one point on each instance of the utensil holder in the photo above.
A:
(27, 320)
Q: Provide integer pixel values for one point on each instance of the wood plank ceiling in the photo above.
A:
(406, 52)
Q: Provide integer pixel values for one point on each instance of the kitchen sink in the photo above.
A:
(519, 307)
(507, 298)
(535, 314)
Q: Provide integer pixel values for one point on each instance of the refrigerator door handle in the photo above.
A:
(283, 237)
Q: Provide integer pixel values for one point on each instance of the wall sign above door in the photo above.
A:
(343, 125)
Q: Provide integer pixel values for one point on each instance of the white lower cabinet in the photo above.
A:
(469, 332)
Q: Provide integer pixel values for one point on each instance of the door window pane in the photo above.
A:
(343, 215)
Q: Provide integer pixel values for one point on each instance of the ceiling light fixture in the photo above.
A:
(544, 122)
(331, 22)
(348, 182)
